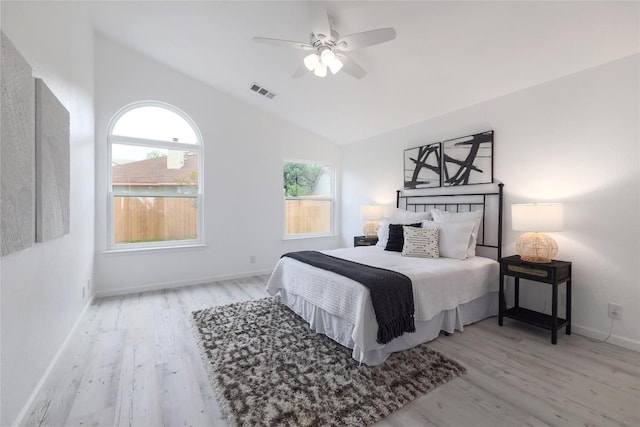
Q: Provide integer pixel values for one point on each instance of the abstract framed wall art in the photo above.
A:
(422, 166)
(468, 160)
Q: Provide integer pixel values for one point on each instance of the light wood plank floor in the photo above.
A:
(133, 361)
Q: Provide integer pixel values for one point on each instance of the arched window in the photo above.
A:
(155, 178)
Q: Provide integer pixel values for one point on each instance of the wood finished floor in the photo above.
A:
(134, 362)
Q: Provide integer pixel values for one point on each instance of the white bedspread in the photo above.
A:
(438, 285)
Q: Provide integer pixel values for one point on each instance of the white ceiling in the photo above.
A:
(446, 56)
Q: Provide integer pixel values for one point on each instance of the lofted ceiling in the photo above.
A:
(446, 56)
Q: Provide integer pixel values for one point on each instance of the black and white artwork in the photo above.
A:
(468, 160)
(17, 151)
(422, 166)
(52, 165)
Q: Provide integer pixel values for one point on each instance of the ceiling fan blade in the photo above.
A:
(351, 67)
(320, 24)
(366, 38)
(284, 43)
(300, 72)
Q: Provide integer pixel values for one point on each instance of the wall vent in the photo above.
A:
(262, 91)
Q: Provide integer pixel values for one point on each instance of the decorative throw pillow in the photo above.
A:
(475, 216)
(421, 242)
(396, 237)
(453, 239)
(401, 217)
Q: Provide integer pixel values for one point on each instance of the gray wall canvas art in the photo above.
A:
(17, 151)
(52, 165)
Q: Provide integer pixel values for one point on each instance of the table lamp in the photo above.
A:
(536, 218)
(372, 214)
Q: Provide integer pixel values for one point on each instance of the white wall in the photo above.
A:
(244, 149)
(573, 140)
(42, 286)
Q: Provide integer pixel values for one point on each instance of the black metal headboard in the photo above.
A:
(490, 202)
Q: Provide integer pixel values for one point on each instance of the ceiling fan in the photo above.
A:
(328, 50)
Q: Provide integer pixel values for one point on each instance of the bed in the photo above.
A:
(448, 293)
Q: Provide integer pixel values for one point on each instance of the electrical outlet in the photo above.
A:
(83, 291)
(615, 311)
(89, 284)
(252, 259)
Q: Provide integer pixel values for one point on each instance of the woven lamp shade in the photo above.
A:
(371, 229)
(534, 218)
(372, 214)
(536, 247)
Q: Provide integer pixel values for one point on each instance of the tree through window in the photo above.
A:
(308, 193)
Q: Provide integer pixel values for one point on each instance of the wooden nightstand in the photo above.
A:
(364, 241)
(553, 273)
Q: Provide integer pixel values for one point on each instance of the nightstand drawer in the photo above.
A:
(528, 272)
(553, 272)
(364, 241)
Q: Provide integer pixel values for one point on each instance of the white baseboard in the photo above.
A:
(23, 412)
(601, 336)
(176, 284)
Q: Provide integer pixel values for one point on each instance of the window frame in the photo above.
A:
(332, 199)
(198, 148)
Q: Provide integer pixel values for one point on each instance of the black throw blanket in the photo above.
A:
(391, 292)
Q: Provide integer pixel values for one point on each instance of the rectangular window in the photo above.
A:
(154, 200)
(309, 199)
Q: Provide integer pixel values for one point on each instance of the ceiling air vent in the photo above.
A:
(262, 91)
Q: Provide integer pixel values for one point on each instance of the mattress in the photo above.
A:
(448, 294)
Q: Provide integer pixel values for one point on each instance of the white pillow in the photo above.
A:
(400, 216)
(420, 242)
(454, 237)
(383, 233)
(475, 216)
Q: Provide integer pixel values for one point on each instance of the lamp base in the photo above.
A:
(536, 247)
(371, 229)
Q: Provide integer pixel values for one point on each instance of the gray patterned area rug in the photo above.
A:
(268, 368)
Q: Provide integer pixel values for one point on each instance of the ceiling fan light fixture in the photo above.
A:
(320, 70)
(310, 61)
(327, 49)
(336, 66)
(327, 57)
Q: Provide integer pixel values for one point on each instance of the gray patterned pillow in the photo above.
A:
(421, 242)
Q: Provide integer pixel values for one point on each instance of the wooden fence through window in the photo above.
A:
(307, 216)
(151, 219)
